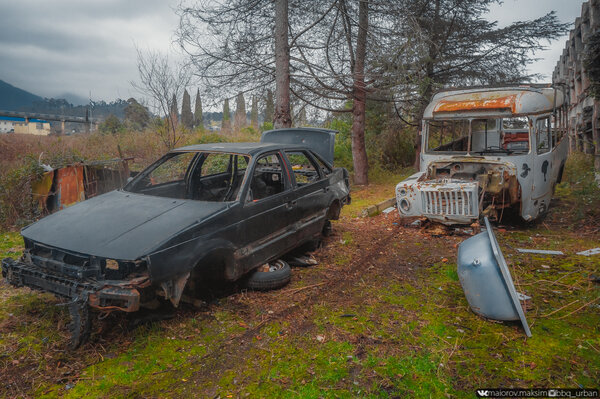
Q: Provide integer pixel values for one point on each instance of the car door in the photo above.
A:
(311, 193)
(266, 228)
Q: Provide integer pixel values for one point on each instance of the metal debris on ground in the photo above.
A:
(486, 280)
(539, 251)
(302, 261)
(388, 210)
(593, 251)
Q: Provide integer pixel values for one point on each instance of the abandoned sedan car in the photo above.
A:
(487, 150)
(227, 208)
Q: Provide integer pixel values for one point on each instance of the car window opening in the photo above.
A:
(201, 176)
(268, 178)
(305, 170)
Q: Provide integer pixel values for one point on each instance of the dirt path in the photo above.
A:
(382, 314)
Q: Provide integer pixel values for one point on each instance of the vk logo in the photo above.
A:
(481, 393)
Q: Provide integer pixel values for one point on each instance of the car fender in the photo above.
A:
(179, 259)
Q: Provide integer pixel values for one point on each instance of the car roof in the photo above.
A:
(240, 148)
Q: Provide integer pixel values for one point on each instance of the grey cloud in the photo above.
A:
(52, 47)
(64, 45)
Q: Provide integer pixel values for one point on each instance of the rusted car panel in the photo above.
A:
(485, 151)
(231, 208)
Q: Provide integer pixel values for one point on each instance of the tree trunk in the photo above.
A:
(282, 116)
(359, 93)
(428, 91)
(596, 136)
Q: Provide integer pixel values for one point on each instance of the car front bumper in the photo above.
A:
(103, 295)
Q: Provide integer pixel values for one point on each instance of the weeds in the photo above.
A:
(23, 154)
(580, 190)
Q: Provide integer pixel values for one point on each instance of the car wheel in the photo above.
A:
(270, 276)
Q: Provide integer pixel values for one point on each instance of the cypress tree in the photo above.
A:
(187, 118)
(226, 122)
(198, 117)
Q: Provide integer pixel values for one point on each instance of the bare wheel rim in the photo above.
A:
(274, 266)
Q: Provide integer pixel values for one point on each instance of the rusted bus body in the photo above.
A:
(485, 151)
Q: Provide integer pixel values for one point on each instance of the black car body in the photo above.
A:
(230, 207)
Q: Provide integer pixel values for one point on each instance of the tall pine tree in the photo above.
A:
(187, 118)
(269, 107)
(198, 117)
(226, 122)
(254, 113)
(174, 115)
(240, 112)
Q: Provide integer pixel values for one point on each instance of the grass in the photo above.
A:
(390, 321)
(381, 188)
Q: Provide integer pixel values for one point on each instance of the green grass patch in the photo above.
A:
(11, 245)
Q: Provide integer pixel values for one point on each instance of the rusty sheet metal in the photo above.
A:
(104, 176)
(63, 187)
(119, 295)
(478, 101)
(115, 298)
(69, 186)
(41, 189)
(514, 100)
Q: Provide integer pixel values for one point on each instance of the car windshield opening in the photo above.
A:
(507, 136)
(202, 176)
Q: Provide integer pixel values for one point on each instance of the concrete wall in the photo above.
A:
(584, 111)
(41, 129)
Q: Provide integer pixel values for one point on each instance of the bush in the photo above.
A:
(111, 125)
(342, 154)
(17, 206)
(266, 126)
(390, 145)
(580, 187)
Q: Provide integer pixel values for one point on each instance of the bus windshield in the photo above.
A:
(478, 136)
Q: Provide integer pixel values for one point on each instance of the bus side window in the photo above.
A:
(542, 134)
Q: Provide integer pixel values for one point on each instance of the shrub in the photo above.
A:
(580, 187)
(17, 206)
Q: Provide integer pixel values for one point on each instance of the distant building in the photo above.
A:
(9, 124)
(570, 72)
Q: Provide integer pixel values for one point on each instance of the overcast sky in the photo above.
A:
(71, 46)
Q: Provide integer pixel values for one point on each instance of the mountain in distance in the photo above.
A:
(74, 99)
(13, 99)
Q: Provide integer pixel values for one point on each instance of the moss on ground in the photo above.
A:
(396, 325)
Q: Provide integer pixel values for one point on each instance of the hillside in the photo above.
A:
(13, 99)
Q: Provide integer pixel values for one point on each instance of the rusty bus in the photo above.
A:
(485, 151)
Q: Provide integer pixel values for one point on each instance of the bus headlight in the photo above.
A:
(404, 205)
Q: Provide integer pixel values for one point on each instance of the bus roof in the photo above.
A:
(497, 101)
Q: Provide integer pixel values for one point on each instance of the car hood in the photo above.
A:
(119, 224)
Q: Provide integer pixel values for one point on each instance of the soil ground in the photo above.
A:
(382, 315)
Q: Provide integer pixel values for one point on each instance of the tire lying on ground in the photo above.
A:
(270, 276)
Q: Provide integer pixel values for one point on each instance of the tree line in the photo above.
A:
(337, 56)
